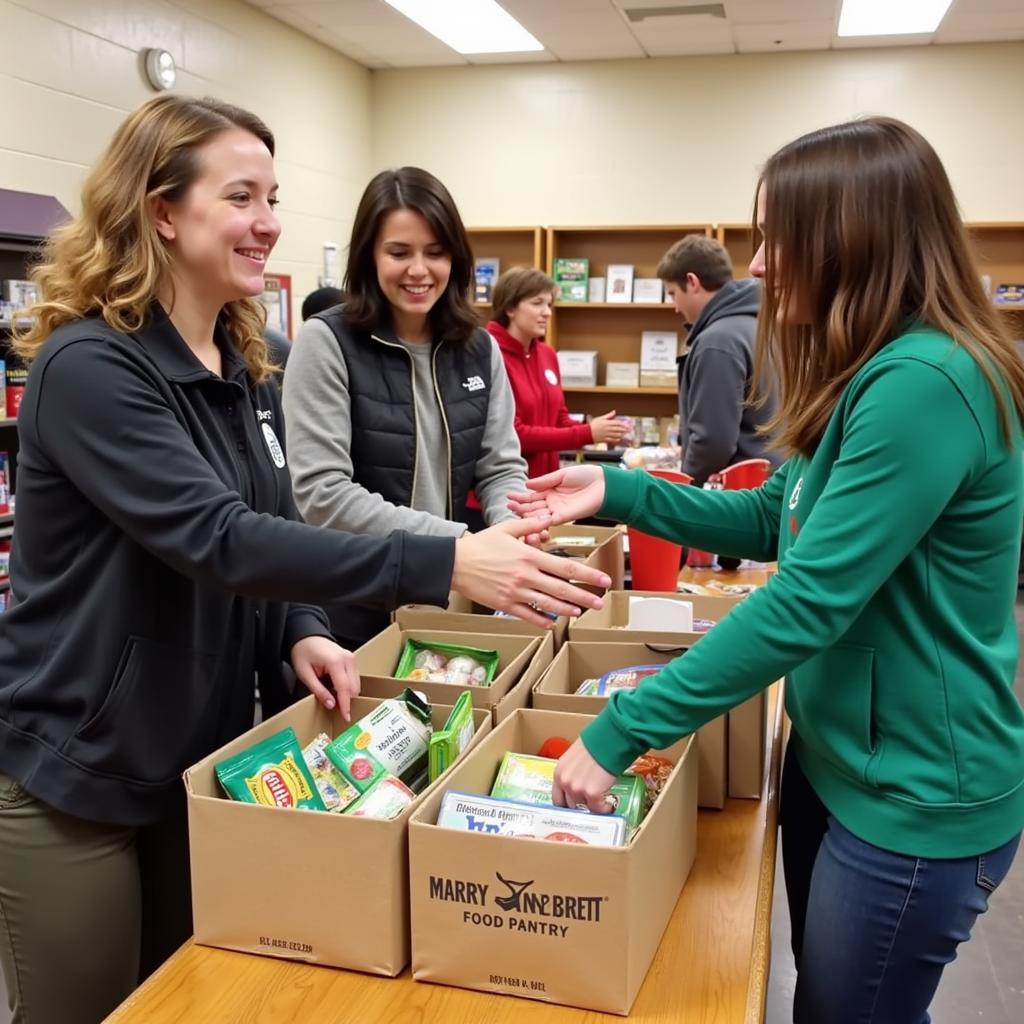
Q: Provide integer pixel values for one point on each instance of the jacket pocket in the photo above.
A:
(831, 701)
(153, 721)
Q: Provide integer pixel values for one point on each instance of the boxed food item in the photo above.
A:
(238, 850)
(578, 662)
(529, 779)
(378, 660)
(448, 743)
(427, 661)
(471, 812)
(564, 922)
(271, 772)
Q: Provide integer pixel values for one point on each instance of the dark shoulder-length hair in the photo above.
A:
(409, 188)
(863, 236)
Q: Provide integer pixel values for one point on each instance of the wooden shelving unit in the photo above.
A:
(614, 329)
(513, 247)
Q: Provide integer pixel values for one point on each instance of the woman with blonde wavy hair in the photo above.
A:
(896, 523)
(157, 568)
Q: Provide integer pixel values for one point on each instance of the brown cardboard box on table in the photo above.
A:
(560, 922)
(377, 659)
(606, 553)
(610, 623)
(556, 691)
(747, 723)
(302, 885)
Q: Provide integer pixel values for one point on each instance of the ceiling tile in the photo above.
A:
(681, 35)
(861, 42)
(576, 29)
(740, 12)
(781, 36)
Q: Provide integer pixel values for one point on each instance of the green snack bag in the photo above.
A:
(271, 772)
(529, 779)
(391, 739)
(448, 743)
(424, 661)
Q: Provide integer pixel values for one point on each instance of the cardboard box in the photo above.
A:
(556, 691)
(608, 624)
(377, 658)
(475, 618)
(252, 885)
(607, 554)
(422, 617)
(577, 368)
(560, 922)
(622, 375)
(748, 747)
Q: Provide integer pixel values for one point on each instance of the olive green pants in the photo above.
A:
(86, 910)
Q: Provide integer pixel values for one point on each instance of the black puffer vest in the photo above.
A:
(384, 412)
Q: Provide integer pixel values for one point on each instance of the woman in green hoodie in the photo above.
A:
(896, 523)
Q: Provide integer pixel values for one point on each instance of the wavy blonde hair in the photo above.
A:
(863, 236)
(109, 260)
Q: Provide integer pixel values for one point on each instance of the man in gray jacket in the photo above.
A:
(717, 425)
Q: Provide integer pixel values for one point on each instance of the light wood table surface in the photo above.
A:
(711, 967)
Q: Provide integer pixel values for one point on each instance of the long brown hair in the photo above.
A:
(409, 188)
(109, 260)
(863, 237)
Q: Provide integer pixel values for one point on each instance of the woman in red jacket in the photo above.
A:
(522, 301)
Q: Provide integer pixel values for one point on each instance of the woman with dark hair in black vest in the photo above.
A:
(397, 402)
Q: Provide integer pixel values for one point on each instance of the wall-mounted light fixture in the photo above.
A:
(160, 69)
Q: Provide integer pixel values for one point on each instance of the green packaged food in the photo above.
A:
(335, 790)
(424, 661)
(271, 772)
(448, 743)
(530, 780)
(391, 739)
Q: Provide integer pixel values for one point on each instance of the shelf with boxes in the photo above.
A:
(495, 250)
(617, 337)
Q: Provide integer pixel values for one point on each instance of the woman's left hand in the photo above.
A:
(314, 657)
(581, 782)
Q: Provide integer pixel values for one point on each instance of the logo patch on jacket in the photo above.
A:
(273, 445)
(794, 498)
(550, 376)
(474, 383)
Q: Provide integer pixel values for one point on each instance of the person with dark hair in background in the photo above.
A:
(397, 402)
(156, 565)
(896, 522)
(718, 424)
(320, 299)
(522, 301)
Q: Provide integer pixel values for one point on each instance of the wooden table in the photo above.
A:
(711, 967)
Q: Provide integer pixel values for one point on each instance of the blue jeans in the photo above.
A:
(872, 930)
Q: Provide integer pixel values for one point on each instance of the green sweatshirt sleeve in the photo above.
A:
(888, 485)
(744, 524)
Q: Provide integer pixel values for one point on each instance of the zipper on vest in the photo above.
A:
(415, 414)
(447, 432)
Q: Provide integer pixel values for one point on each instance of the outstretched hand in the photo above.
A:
(495, 568)
(564, 495)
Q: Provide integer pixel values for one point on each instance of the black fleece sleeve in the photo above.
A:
(103, 423)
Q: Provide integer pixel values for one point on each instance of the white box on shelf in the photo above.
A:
(648, 289)
(596, 287)
(658, 351)
(622, 375)
(620, 282)
(578, 368)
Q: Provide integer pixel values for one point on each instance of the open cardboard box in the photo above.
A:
(609, 624)
(377, 659)
(302, 885)
(576, 661)
(560, 922)
(607, 553)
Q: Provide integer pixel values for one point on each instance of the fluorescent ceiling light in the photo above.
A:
(891, 17)
(469, 26)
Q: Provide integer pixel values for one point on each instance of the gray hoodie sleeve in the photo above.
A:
(715, 405)
(501, 468)
(317, 412)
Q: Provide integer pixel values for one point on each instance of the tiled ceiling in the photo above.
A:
(376, 35)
